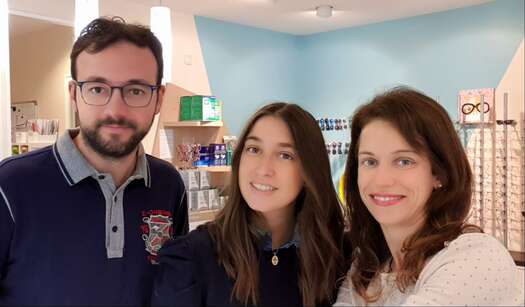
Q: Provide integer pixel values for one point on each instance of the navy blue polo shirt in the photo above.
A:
(69, 236)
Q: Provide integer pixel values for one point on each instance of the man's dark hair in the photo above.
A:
(106, 31)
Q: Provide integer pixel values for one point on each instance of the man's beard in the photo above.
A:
(113, 148)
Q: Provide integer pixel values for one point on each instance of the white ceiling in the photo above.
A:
(289, 16)
(298, 17)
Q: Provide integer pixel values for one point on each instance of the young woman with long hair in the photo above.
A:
(279, 238)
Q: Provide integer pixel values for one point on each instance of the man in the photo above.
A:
(81, 221)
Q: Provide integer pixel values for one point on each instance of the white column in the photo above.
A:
(85, 12)
(160, 23)
(5, 90)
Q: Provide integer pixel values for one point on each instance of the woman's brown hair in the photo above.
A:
(319, 217)
(427, 127)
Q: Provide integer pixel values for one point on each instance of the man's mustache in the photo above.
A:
(119, 122)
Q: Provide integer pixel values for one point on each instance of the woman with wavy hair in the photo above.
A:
(279, 238)
(409, 188)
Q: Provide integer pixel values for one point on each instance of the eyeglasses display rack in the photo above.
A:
(495, 152)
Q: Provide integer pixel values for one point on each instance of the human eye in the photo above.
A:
(135, 90)
(367, 162)
(286, 156)
(251, 149)
(405, 162)
(97, 88)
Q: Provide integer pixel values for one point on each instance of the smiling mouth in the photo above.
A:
(116, 127)
(386, 200)
(262, 187)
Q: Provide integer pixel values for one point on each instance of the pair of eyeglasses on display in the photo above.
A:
(468, 108)
(513, 174)
(505, 122)
(487, 150)
(135, 95)
(499, 165)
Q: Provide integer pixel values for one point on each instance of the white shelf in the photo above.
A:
(194, 124)
(204, 215)
(215, 169)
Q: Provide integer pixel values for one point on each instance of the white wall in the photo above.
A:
(512, 83)
(184, 37)
(186, 46)
(39, 68)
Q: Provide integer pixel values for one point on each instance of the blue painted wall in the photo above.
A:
(439, 54)
(248, 67)
(332, 73)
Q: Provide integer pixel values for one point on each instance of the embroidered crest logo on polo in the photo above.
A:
(157, 229)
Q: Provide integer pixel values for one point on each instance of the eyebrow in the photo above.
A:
(104, 80)
(256, 139)
(369, 153)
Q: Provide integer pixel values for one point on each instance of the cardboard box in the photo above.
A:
(200, 108)
(203, 200)
(213, 195)
(204, 180)
(192, 200)
(191, 179)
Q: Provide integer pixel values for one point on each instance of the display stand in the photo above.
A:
(498, 192)
(201, 132)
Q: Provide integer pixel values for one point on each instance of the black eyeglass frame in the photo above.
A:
(153, 88)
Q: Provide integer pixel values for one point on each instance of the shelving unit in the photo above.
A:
(216, 169)
(202, 132)
(204, 215)
(193, 124)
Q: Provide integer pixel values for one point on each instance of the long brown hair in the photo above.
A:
(426, 126)
(319, 217)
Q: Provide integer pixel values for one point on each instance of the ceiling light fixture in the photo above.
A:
(85, 12)
(324, 11)
(160, 22)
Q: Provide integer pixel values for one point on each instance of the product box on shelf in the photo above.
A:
(185, 108)
(201, 195)
(218, 154)
(204, 157)
(15, 150)
(191, 179)
(192, 200)
(200, 108)
(213, 197)
(203, 200)
(204, 180)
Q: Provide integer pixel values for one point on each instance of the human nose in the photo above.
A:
(384, 176)
(265, 166)
(116, 104)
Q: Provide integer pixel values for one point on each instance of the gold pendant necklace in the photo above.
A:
(275, 259)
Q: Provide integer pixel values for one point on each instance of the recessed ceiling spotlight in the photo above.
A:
(324, 11)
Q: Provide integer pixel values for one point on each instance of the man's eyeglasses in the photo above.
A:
(135, 95)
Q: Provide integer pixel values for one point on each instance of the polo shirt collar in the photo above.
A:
(266, 242)
(75, 167)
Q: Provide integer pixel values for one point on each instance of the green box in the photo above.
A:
(196, 108)
(185, 108)
(200, 108)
